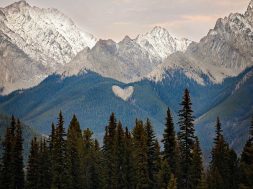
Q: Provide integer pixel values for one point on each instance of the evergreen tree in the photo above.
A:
(75, 153)
(246, 163)
(92, 159)
(158, 163)
(186, 139)
(109, 151)
(120, 156)
(51, 154)
(151, 155)
(60, 163)
(169, 142)
(129, 161)
(173, 182)
(44, 165)
(217, 168)
(52, 138)
(140, 155)
(202, 183)
(164, 174)
(233, 169)
(18, 157)
(223, 173)
(96, 169)
(8, 174)
(197, 164)
(32, 177)
(214, 179)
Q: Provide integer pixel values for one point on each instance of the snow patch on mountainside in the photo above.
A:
(125, 93)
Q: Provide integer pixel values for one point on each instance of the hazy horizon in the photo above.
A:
(114, 19)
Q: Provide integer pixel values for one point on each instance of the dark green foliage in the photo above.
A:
(109, 150)
(169, 142)
(246, 163)
(91, 161)
(12, 174)
(60, 163)
(32, 177)
(197, 164)
(152, 156)
(126, 161)
(52, 138)
(173, 182)
(18, 157)
(129, 161)
(140, 155)
(7, 159)
(75, 153)
(186, 139)
(233, 169)
(44, 167)
(164, 174)
(120, 156)
(223, 171)
(202, 183)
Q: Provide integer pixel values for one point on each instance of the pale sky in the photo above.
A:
(116, 18)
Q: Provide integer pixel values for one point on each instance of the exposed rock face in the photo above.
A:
(17, 69)
(48, 42)
(226, 51)
(44, 41)
(125, 61)
(159, 43)
(46, 35)
(35, 42)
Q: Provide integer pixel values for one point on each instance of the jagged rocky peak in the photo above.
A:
(40, 41)
(46, 35)
(160, 43)
(226, 51)
(159, 31)
(18, 5)
(249, 13)
(105, 43)
(103, 46)
(126, 39)
(250, 7)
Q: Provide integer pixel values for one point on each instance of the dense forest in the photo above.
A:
(73, 159)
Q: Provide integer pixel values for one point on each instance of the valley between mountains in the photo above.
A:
(48, 64)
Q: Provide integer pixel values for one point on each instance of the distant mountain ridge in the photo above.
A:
(226, 51)
(35, 43)
(141, 77)
(48, 41)
(160, 43)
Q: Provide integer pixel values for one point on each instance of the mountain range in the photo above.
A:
(48, 64)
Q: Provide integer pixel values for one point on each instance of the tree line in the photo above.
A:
(73, 159)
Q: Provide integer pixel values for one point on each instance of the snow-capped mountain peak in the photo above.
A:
(159, 31)
(46, 35)
(159, 43)
(225, 52)
(34, 43)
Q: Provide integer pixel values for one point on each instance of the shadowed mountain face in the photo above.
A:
(92, 98)
(46, 41)
(135, 78)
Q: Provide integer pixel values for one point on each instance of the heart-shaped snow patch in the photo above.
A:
(124, 94)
